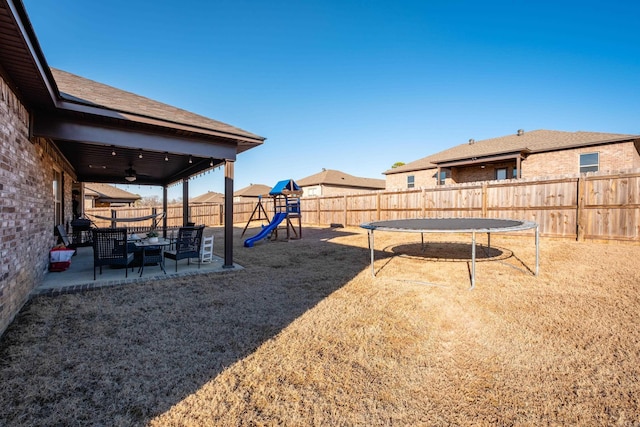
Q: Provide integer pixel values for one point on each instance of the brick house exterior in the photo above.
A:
(539, 153)
(27, 205)
(331, 182)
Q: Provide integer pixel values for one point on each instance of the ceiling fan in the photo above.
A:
(130, 174)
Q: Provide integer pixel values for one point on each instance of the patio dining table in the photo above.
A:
(152, 252)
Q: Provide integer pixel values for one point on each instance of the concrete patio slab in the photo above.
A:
(79, 276)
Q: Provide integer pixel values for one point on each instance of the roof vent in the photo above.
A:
(520, 132)
(472, 141)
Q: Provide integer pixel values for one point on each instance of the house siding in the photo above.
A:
(612, 157)
(333, 190)
(26, 206)
(422, 179)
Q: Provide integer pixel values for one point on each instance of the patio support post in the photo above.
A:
(165, 206)
(185, 201)
(228, 214)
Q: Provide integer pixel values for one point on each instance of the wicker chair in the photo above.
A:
(188, 245)
(110, 248)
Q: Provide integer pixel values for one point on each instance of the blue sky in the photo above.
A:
(357, 85)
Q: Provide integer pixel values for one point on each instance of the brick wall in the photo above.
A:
(335, 190)
(26, 206)
(422, 179)
(613, 157)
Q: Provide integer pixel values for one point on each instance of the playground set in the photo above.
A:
(286, 206)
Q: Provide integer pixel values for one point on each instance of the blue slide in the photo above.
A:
(277, 219)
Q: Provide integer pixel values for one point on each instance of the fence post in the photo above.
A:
(580, 214)
(345, 211)
(424, 202)
(154, 212)
(114, 215)
(485, 208)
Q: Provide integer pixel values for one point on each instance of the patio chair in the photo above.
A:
(188, 245)
(62, 235)
(110, 248)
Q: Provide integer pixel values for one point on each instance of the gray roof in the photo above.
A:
(253, 190)
(334, 177)
(208, 197)
(106, 191)
(82, 90)
(533, 142)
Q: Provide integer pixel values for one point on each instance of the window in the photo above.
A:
(411, 181)
(57, 196)
(514, 174)
(501, 173)
(443, 177)
(589, 162)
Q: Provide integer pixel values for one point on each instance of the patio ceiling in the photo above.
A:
(100, 152)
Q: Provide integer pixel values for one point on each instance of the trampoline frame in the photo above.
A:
(453, 225)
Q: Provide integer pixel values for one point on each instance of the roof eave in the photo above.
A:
(588, 144)
(147, 120)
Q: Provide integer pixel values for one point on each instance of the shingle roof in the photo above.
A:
(334, 177)
(79, 89)
(253, 190)
(208, 197)
(534, 142)
(107, 191)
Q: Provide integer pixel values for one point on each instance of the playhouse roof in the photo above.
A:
(284, 187)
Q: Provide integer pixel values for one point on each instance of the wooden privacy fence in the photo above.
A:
(596, 206)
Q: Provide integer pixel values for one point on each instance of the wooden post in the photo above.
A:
(485, 208)
(165, 207)
(185, 201)
(581, 214)
(114, 215)
(228, 214)
(344, 211)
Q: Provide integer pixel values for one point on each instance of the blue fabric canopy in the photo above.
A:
(287, 184)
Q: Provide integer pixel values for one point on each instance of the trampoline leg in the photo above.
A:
(489, 240)
(373, 271)
(473, 260)
(422, 240)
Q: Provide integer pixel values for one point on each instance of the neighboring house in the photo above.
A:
(208, 197)
(98, 195)
(251, 193)
(332, 182)
(532, 154)
(59, 130)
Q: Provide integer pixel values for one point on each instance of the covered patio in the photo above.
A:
(111, 136)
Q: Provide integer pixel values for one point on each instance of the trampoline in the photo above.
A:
(453, 225)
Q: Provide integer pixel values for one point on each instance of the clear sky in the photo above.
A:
(358, 85)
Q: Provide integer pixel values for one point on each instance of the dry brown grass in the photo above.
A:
(305, 336)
